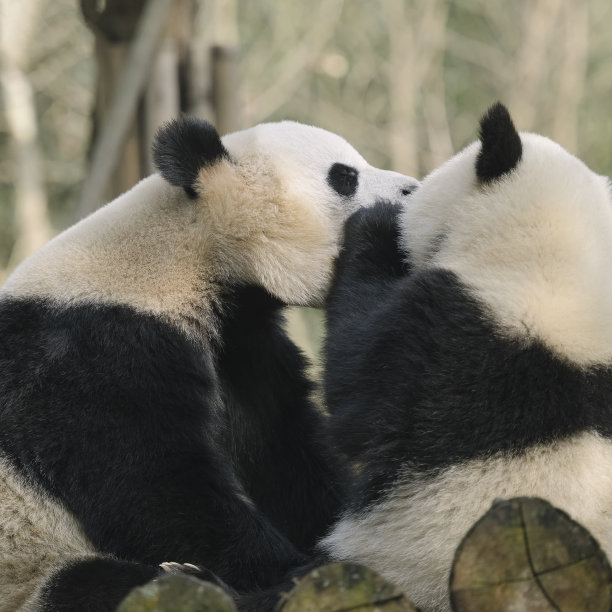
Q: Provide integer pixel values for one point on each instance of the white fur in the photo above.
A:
(411, 537)
(534, 246)
(37, 536)
(270, 219)
(137, 250)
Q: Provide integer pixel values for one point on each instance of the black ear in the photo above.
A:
(184, 146)
(501, 148)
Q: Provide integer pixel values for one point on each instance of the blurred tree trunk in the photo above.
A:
(540, 19)
(150, 70)
(32, 225)
(127, 34)
(572, 77)
(114, 24)
(416, 33)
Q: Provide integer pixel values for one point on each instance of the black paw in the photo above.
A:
(371, 235)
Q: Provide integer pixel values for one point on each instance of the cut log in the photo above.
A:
(177, 593)
(344, 586)
(524, 554)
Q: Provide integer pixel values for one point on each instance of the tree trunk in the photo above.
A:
(128, 34)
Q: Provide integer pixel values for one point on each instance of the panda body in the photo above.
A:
(479, 365)
(152, 406)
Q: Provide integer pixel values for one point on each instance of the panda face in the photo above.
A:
(528, 227)
(311, 160)
(316, 181)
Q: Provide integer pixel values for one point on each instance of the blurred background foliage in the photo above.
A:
(404, 81)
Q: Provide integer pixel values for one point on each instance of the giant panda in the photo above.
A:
(152, 407)
(469, 355)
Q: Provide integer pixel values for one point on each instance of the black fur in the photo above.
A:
(273, 430)
(418, 377)
(343, 179)
(183, 147)
(93, 585)
(100, 584)
(380, 231)
(501, 147)
(145, 435)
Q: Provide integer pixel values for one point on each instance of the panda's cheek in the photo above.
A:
(344, 211)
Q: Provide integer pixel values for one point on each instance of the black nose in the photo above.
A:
(406, 190)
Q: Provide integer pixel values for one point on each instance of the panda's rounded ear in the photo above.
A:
(501, 148)
(183, 147)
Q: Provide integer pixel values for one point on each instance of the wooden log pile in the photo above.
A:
(523, 554)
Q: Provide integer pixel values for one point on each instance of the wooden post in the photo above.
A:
(177, 592)
(524, 554)
(344, 586)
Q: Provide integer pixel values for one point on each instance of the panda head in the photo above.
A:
(272, 199)
(527, 228)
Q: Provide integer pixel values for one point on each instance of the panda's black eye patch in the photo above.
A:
(343, 179)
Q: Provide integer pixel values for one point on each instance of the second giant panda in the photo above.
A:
(469, 355)
(152, 407)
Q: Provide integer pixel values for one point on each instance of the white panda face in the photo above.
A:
(320, 180)
(312, 161)
(532, 237)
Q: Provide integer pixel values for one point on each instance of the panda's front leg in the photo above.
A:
(366, 272)
(368, 265)
(366, 322)
(197, 513)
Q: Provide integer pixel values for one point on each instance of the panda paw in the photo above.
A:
(371, 237)
(171, 567)
(197, 571)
